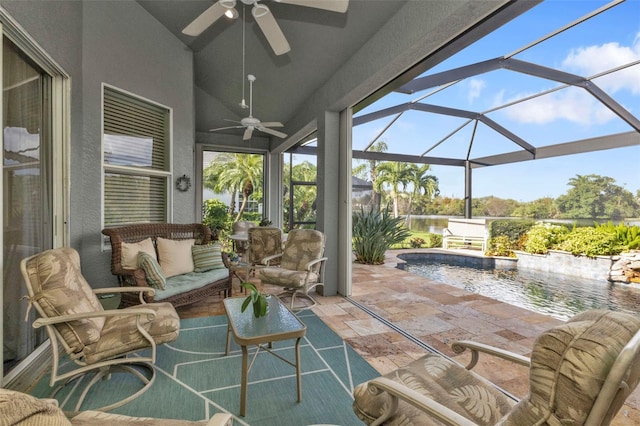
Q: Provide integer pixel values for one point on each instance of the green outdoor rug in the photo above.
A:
(194, 379)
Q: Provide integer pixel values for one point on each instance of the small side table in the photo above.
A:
(279, 324)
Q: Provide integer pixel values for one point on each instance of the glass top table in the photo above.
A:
(247, 330)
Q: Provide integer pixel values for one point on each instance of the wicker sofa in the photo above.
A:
(180, 290)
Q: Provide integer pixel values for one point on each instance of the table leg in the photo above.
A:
(298, 375)
(226, 352)
(243, 384)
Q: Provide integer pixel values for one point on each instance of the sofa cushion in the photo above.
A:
(182, 283)
(207, 257)
(129, 256)
(175, 256)
(152, 270)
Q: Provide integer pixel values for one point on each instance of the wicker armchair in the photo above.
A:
(580, 373)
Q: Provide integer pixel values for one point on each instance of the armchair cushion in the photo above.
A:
(441, 380)
(120, 335)
(569, 365)
(130, 252)
(152, 270)
(303, 246)
(287, 278)
(207, 257)
(175, 256)
(60, 289)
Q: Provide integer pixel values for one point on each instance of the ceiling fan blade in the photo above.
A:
(270, 29)
(271, 124)
(226, 128)
(230, 120)
(272, 132)
(247, 134)
(205, 20)
(332, 5)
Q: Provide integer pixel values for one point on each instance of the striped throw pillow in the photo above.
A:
(207, 257)
(152, 270)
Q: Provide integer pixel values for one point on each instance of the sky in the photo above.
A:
(606, 41)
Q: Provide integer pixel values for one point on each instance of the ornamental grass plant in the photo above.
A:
(374, 233)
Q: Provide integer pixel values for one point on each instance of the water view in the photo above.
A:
(559, 296)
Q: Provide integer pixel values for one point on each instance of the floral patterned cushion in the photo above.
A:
(303, 245)
(17, 408)
(569, 364)
(263, 241)
(443, 381)
(287, 278)
(60, 289)
(120, 334)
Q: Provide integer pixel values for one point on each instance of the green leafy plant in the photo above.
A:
(374, 233)
(544, 236)
(591, 242)
(627, 236)
(500, 246)
(215, 215)
(256, 298)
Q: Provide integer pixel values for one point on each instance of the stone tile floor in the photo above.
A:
(435, 314)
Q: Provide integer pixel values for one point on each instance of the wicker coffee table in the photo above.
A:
(279, 324)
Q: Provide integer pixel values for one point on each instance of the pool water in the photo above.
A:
(559, 296)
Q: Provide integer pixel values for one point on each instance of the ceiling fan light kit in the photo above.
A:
(263, 16)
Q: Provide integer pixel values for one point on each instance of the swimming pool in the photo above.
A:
(559, 296)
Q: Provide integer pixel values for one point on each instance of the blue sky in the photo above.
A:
(607, 41)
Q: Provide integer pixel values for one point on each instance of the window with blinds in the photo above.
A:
(136, 159)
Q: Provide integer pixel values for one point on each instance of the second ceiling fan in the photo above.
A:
(263, 16)
(251, 123)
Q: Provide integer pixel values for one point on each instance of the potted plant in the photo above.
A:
(258, 299)
(233, 258)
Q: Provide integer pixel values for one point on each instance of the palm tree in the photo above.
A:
(393, 174)
(234, 173)
(423, 183)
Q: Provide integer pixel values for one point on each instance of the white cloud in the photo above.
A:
(573, 105)
(475, 89)
(591, 60)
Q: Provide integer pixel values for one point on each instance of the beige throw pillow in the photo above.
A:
(129, 256)
(175, 256)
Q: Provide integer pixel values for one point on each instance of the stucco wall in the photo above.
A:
(119, 43)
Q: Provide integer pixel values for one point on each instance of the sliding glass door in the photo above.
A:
(27, 194)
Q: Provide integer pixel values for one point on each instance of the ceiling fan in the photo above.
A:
(263, 17)
(251, 123)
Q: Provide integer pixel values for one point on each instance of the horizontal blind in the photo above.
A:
(136, 135)
(136, 132)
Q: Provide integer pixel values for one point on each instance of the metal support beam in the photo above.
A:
(467, 190)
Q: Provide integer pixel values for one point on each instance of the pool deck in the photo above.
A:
(392, 314)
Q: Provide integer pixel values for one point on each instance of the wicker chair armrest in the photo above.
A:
(398, 391)
(98, 314)
(476, 348)
(266, 260)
